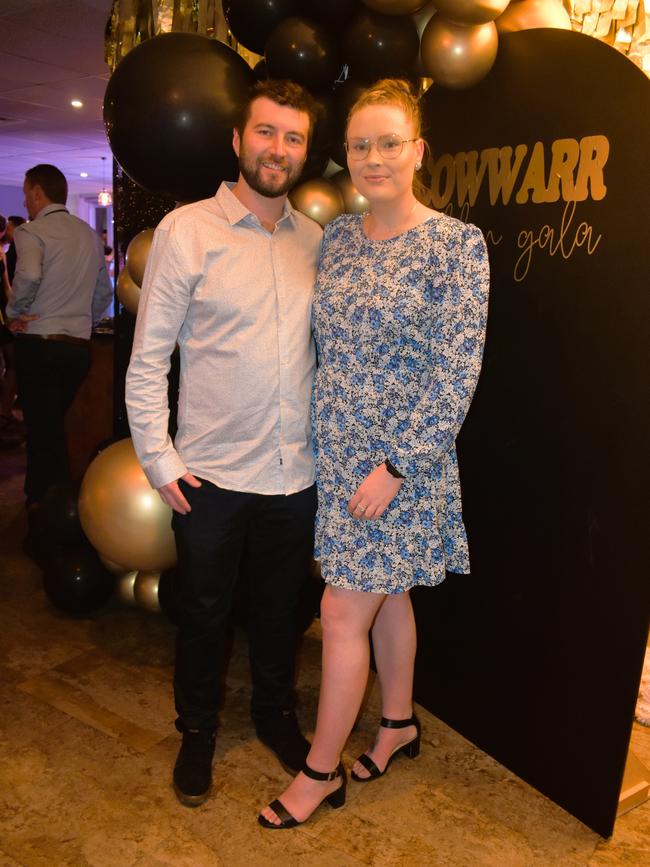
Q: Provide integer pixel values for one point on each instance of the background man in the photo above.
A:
(231, 279)
(59, 291)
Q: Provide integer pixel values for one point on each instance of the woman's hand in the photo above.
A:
(374, 494)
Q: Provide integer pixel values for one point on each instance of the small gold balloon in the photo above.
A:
(395, 7)
(456, 56)
(145, 590)
(122, 515)
(318, 199)
(136, 254)
(128, 291)
(529, 14)
(353, 201)
(124, 588)
(471, 11)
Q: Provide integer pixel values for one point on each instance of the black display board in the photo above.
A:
(537, 656)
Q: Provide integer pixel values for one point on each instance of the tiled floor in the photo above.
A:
(87, 745)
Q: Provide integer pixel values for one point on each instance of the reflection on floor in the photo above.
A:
(87, 745)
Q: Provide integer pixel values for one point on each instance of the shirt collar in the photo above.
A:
(236, 211)
(55, 206)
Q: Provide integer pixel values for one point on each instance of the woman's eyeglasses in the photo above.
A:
(389, 146)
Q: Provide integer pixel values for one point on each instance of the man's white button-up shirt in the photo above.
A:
(237, 299)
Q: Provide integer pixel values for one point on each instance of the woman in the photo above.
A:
(399, 319)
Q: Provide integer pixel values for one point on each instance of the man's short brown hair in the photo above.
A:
(51, 180)
(280, 92)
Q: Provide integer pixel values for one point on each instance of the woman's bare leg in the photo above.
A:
(346, 618)
(394, 644)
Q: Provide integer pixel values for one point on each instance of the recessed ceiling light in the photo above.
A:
(83, 174)
(76, 103)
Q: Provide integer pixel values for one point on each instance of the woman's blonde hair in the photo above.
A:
(391, 91)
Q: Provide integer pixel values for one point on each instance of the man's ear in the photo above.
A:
(236, 141)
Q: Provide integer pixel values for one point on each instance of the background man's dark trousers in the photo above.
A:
(48, 375)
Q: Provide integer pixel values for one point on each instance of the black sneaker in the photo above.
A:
(193, 768)
(281, 734)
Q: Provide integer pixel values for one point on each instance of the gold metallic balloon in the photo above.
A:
(456, 56)
(128, 291)
(318, 199)
(122, 515)
(136, 254)
(145, 590)
(124, 588)
(394, 7)
(471, 11)
(353, 201)
(529, 14)
(115, 568)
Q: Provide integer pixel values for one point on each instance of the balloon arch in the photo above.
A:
(180, 91)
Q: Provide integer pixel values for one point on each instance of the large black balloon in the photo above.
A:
(251, 21)
(381, 46)
(56, 520)
(332, 12)
(169, 111)
(76, 582)
(304, 51)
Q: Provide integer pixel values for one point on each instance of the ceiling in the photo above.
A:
(52, 51)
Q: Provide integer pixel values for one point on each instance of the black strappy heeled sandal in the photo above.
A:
(335, 799)
(411, 749)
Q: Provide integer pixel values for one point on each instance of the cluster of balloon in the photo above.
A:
(130, 278)
(73, 578)
(182, 91)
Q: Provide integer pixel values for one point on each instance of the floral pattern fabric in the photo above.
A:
(400, 328)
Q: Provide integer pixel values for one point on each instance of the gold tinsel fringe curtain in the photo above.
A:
(133, 21)
(625, 24)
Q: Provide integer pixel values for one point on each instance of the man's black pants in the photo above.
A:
(268, 540)
(48, 374)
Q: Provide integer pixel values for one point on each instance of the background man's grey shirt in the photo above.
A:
(60, 274)
(237, 298)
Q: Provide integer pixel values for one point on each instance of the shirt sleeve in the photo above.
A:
(457, 351)
(164, 300)
(29, 272)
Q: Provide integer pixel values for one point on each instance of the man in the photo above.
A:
(60, 289)
(230, 279)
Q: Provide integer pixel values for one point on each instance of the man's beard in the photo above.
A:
(273, 187)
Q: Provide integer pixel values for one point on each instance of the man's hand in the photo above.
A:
(374, 494)
(19, 323)
(172, 496)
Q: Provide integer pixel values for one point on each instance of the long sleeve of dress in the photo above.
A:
(457, 350)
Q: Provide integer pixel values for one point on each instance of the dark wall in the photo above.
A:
(537, 656)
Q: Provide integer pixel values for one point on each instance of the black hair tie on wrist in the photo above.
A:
(392, 469)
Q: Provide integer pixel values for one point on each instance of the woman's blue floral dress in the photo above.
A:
(400, 328)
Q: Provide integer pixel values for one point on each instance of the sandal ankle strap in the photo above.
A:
(319, 776)
(397, 723)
